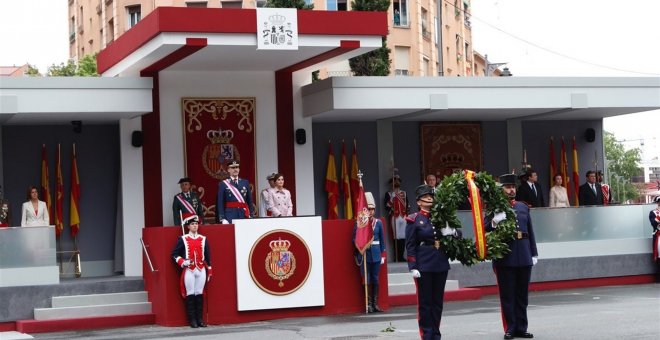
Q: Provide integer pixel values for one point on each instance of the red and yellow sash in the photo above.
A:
(478, 223)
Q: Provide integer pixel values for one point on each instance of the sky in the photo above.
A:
(535, 37)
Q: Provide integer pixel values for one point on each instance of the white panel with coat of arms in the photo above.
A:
(277, 29)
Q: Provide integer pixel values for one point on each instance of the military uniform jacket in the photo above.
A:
(193, 248)
(226, 197)
(522, 250)
(421, 236)
(192, 204)
(378, 246)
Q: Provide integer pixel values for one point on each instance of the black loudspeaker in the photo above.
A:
(137, 139)
(301, 136)
(590, 135)
(77, 126)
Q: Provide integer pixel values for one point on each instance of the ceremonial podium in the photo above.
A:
(325, 281)
(27, 256)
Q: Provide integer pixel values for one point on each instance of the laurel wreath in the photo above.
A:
(453, 191)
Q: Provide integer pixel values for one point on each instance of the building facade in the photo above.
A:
(426, 38)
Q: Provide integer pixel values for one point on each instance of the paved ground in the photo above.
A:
(627, 312)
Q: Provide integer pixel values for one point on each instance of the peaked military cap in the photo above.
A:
(423, 190)
(234, 164)
(185, 179)
(508, 179)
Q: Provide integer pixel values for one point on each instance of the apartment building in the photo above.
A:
(427, 37)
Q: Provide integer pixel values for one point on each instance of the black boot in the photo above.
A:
(190, 311)
(374, 299)
(199, 310)
(657, 270)
(370, 306)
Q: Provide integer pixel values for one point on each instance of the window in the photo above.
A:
(425, 66)
(331, 5)
(400, 8)
(199, 4)
(342, 5)
(134, 15)
(425, 29)
(261, 3)
(401, 60)
(111, 32)
(232, 4)
(468, 54)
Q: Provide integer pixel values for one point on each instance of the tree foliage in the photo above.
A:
(32, 71)
(86, 67)
(376, 62)
(622, 166)
(299, 4)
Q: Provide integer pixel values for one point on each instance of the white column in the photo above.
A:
(304, 154)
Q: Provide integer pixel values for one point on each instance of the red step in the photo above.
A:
(44, 326)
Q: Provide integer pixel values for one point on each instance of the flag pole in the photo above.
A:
(183, 230)
(393, 218)
(366, 282)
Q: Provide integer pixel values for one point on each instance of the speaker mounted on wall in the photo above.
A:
(590, 135)
(137, 139)
(301, 136)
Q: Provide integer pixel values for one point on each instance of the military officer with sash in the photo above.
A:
(428, 263)
(192, 254)
(234, 197)
(186, 202)
(514, 270)
(654, 218)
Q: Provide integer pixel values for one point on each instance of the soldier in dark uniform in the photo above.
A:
(375, 256)
(654, 217)
(234, 197)
(192, 254)
(428, 263)
(514, 270)
(186, 202)
(5, 211)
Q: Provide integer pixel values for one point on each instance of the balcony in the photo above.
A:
(72, 37)
(107, 2)
(98, 9)
(401, 72)
(426, 35)
(81, 29)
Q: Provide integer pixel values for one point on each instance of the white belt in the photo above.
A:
(375, 243)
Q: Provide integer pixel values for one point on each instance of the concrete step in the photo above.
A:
(403, 283)
(98, 299)
(92, 311)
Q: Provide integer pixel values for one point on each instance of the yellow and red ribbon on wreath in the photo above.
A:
(478, 223)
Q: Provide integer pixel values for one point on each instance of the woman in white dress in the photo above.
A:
(34, 212)
(558, 195)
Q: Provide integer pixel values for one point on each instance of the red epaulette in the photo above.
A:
(411, 218)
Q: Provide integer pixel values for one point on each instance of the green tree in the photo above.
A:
(376, 62)
(299, 4)
(85, 67)
(32, 71)
(622, 166)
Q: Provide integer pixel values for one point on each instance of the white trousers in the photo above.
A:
(194, 280)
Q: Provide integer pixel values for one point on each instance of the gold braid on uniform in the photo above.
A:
(449, 194)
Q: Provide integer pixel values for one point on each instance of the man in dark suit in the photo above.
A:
(590, 193)
(514, 270)
(234, 197)
(186, 201)
(529, 190)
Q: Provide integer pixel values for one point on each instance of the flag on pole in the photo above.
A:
(553, 165)
(576, 175)
(74, 215)
(59, 193)
(563, 169)
(364, 233)
(45, 184)
(332, 185)
(355, 181)
(345, 184)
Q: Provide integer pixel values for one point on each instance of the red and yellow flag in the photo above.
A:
(332, 185)
(477, 219)
(45, 183)
(553, 165)
(345, 184)
(563, 168)
(59, 194)
(576, 175)
(74, 215)
(355, 181)
(364, 233)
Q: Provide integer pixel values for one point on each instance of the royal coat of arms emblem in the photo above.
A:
(280, 262)
(216, 154)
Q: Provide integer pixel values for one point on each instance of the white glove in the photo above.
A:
(185, 263)
(499, 217)
(382, 260)
(224, 222)
(415, 273)
(535, 260)
(448, 231)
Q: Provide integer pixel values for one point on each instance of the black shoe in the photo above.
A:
(524, 335)
(508, 336)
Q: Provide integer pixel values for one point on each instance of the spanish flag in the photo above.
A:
(45, 183)
(553, 165)
(332, 185)
(345, 184)
(563, 168)
(355, 181)
(59, 194)
(576, 175)
(74, 216)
